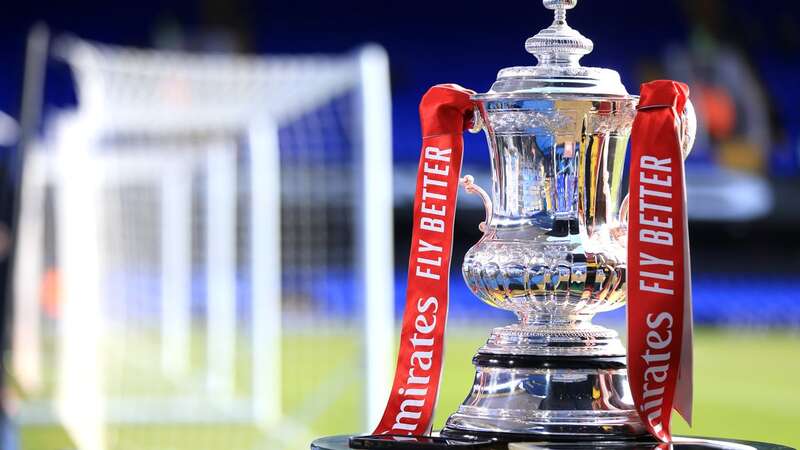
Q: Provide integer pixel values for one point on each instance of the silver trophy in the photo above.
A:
(554, 247)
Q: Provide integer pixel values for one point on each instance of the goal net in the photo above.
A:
(205, 252)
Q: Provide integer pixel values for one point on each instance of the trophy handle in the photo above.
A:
(688, 128)
(623, 211)
(688, 132)
(468, 181)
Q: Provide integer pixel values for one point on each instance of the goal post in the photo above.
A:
(374, 220)
(265, 222)
(215, 227)
(79, 401)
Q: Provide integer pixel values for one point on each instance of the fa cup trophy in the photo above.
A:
(563, 241)
(554, 249)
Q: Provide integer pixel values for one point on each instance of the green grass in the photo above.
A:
(744, 388)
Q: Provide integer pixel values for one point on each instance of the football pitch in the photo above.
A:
(745, 387)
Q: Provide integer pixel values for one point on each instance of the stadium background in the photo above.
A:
(747, 287)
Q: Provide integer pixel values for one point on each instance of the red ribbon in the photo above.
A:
(445, 111)
(659, 285)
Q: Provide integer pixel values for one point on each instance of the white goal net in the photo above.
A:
(204, 254)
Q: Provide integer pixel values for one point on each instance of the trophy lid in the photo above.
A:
(558, 49)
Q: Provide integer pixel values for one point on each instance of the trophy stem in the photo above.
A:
(554, 335)
(533, 320)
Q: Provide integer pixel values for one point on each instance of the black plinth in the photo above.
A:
(681, 443)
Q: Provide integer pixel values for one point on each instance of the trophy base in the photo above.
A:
(568, 391)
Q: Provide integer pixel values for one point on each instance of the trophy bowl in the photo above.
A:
(554, 252)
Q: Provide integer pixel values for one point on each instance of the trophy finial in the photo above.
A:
(559, 44)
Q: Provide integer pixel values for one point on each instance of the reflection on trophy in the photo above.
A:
(554, 247)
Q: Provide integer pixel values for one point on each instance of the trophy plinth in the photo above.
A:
(515, 397)
(559, 381)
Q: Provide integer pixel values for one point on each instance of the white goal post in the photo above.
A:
(172, 229)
